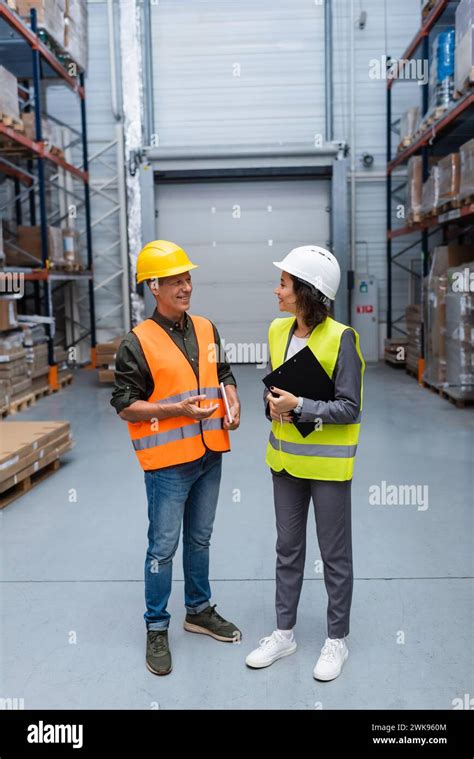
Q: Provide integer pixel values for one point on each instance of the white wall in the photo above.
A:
(278, 97)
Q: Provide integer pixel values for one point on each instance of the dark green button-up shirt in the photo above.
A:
(133, 380)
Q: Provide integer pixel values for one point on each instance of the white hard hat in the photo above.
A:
(314, 265)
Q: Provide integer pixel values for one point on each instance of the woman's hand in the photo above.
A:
(285, 403)
(287, 417)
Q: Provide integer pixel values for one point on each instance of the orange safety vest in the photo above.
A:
(179, 439)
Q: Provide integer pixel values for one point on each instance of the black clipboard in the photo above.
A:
(304, 376)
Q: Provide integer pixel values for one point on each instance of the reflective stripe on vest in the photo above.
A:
(177, 440)
(327, 453)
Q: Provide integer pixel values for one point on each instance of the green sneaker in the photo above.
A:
(158, 654)
(209, 622)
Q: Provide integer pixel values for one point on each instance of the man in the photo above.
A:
(167, 388)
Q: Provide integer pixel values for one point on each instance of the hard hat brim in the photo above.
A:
(169, 273)
(301, 275)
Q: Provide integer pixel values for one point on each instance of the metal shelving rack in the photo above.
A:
(44, 61)
(453, 128)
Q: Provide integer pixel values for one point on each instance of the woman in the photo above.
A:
(318, 466)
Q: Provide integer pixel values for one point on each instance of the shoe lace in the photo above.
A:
(270, 640)
(216, 615)
(158, 643)
(328, 651)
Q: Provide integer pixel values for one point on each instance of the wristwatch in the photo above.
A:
(299, 408)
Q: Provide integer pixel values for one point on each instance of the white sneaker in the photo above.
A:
(333, 655)
(270, 649)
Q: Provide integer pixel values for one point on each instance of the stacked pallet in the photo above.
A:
(414, 325)
(466, 186)
(395, 351)
(460, 332)
(409, 124)
(65, 375)
(15, 379)
(106, 359)
(414, 190)
(29, 451)
(63, 25)
(464, 66)
(50, 17)
(435, 290)
(37, 357)
(9, 104)
(449, 181)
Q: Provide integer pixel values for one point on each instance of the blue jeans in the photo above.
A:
(187, 494)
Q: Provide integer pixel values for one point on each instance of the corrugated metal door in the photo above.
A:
(234, 231)
(228, 73)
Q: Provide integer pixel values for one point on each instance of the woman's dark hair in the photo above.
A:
(312, 304)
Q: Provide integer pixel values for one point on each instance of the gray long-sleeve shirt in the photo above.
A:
(345, 408)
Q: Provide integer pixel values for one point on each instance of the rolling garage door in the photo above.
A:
(234, 231)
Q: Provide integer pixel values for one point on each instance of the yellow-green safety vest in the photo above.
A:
(327, 453)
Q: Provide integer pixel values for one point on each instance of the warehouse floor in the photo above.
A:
(72, 571)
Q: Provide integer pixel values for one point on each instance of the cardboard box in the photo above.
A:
(8, 314)
(26, 448)
(29, 240)
(106, 375)
(446, 256)
(449, 178)
(29, 122)
(16, 387)
(466, 154)
(18, 464)
(9, 104)
(19, 439)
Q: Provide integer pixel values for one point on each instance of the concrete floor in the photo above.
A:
(75, 570)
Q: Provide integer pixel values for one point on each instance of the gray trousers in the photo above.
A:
(332, 507)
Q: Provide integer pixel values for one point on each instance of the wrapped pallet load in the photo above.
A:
(29, 121)
(75, 31)
(71, 247)
(414, 189)
(435, 290)
(15, 375)
(466, 155)
(413, 318)
(430, 193)
(409, 123)
(464, 73)
(441, 84)
(29, 243)
(49, 14)
(449, 179)
(9, 106)
(460, 331)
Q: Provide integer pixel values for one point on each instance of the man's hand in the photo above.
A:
(234, 405)
(189, 407)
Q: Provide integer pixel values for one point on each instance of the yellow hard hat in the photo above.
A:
(161, 258)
